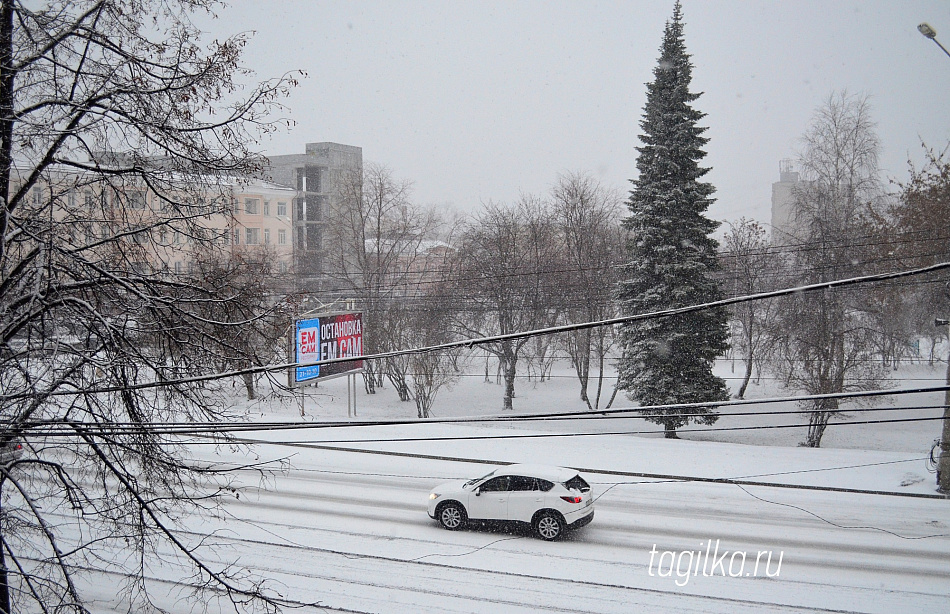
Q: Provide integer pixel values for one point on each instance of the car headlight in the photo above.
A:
(434, 496)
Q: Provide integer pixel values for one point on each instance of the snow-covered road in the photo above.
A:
(350, 531)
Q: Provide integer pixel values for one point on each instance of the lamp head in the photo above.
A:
(926, 30)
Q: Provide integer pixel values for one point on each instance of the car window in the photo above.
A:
(577, 483)
(495, 484)
(484, 477)
(544, 485)
(520, 482)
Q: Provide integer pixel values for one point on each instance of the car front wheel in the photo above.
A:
(548, 526)
(451, 516)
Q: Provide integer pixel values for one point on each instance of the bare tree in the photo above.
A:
(430, 324)
(506, 280)
(118, 123)
(751, 266)
(920, 237)
(373, 245)
(827, 344)
(235, 297)
(588, 222)
(921, 216)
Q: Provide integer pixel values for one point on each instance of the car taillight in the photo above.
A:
(572, 499)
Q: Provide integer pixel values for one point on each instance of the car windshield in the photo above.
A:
(484, 477)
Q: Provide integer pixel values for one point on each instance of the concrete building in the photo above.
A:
(320, 178)
(783, 200)
(285, 215)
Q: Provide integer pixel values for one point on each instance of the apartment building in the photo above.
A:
(286, 216)
(127, 225)
(262, 218)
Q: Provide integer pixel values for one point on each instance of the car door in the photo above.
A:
(489, 501)
(524, 498)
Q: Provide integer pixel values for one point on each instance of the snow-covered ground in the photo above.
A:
(345, 524)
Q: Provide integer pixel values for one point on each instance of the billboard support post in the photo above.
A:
(350, 393)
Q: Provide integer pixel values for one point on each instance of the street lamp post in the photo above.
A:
(943, 465)
(930, 33)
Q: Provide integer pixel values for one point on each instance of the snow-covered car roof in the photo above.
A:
(546, 472)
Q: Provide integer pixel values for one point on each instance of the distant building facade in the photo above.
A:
(125, 225)
(320, 177)
(783, 203)
(285, 216)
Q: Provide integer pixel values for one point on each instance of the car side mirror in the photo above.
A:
(478, 492)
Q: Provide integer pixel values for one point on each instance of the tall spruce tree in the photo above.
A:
(672, 256)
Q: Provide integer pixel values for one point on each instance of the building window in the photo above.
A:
(237, 236)
(178, 267)
(281, 237)
(282, 209)
(266, 207)
(136, 199)
(267, 236)
(252, 236)
(236, 207)
(282, 267)
(252, 206)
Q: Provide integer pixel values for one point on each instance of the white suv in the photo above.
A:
(551, 499)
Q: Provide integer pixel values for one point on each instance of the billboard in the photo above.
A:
(327, 337)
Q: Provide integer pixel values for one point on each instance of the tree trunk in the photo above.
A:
(249, 386)
(748, 359)
(7, 82)
(669, 431)
(600, 380)
(745, 379)
(369, 376)
(613, 395)
(511, 363)
(4, 586)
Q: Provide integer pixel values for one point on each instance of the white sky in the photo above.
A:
(479, 101)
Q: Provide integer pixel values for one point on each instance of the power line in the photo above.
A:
(587, 434)
(788, 249)
(64, 428)
(469, 343)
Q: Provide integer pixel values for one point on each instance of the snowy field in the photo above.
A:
(344, 524)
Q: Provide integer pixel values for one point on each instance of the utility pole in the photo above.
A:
(943, 465)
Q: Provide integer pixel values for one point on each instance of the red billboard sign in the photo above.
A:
(327, 337)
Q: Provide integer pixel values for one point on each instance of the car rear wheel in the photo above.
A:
(451, 516)
(548, 526)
